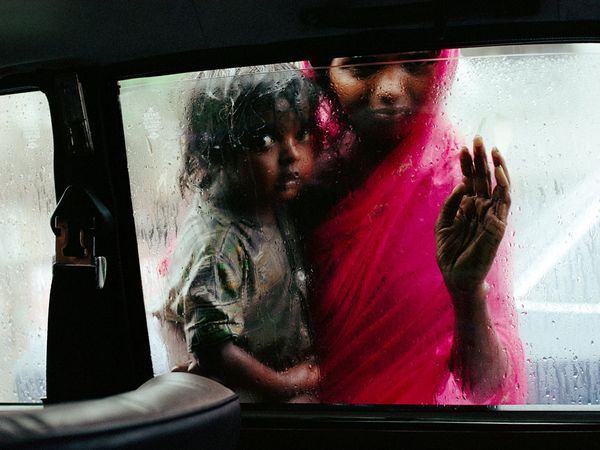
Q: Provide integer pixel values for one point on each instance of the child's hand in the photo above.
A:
(305, 398)
(236, 368)
(191, 366)
(303, 378)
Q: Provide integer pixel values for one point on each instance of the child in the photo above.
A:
(237, 285)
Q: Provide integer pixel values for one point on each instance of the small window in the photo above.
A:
(295, 212)
(27, 200)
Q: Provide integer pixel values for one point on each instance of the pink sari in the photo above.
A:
(384, 320)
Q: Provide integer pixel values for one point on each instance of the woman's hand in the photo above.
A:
(472, 222)
(468, 232)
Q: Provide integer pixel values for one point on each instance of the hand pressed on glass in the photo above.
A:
(472, 221)
(468, 232)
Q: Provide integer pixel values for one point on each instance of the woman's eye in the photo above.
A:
(418, 67)
(364, 71)
(413, 67)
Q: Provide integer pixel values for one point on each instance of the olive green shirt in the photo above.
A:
(233, 278)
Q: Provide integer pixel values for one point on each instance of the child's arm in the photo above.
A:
(238, 369)
(213, 308)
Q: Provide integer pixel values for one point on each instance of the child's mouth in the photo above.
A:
(290, 180)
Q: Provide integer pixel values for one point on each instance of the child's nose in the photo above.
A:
(289, 150)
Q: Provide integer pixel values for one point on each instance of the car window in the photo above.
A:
(350, 254)
(27, 201)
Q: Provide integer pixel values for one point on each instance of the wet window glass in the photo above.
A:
(27, 200)
(411, 228)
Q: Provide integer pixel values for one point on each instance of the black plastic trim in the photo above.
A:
(388, 426)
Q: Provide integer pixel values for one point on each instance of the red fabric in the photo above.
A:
(384, 320)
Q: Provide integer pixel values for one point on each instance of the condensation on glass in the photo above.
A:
(27, 200)
(537, 104)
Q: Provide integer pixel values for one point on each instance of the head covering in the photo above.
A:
(384, 320)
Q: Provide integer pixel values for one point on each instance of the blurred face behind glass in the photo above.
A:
(382, 95)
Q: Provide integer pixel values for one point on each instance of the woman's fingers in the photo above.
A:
(501, 177)
(477, 178)
(482, 180)
(466, 166)
(501, 193)
(498, 160)
(450, 208)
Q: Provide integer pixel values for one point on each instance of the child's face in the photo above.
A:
(279, 158)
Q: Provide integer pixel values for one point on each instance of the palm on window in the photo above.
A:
(472, 221)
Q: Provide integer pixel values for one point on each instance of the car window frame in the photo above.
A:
(310, 420)
(304, 423)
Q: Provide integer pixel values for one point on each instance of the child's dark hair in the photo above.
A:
(222, 117)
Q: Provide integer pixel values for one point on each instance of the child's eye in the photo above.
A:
(260, 142)
(304, 135)
(267, 141)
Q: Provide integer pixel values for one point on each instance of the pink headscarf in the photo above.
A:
(384, 320)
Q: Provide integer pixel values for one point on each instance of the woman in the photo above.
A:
(401, 316)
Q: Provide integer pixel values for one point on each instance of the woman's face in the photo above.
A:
(380, 95)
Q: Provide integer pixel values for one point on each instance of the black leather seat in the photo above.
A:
(172, 411)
